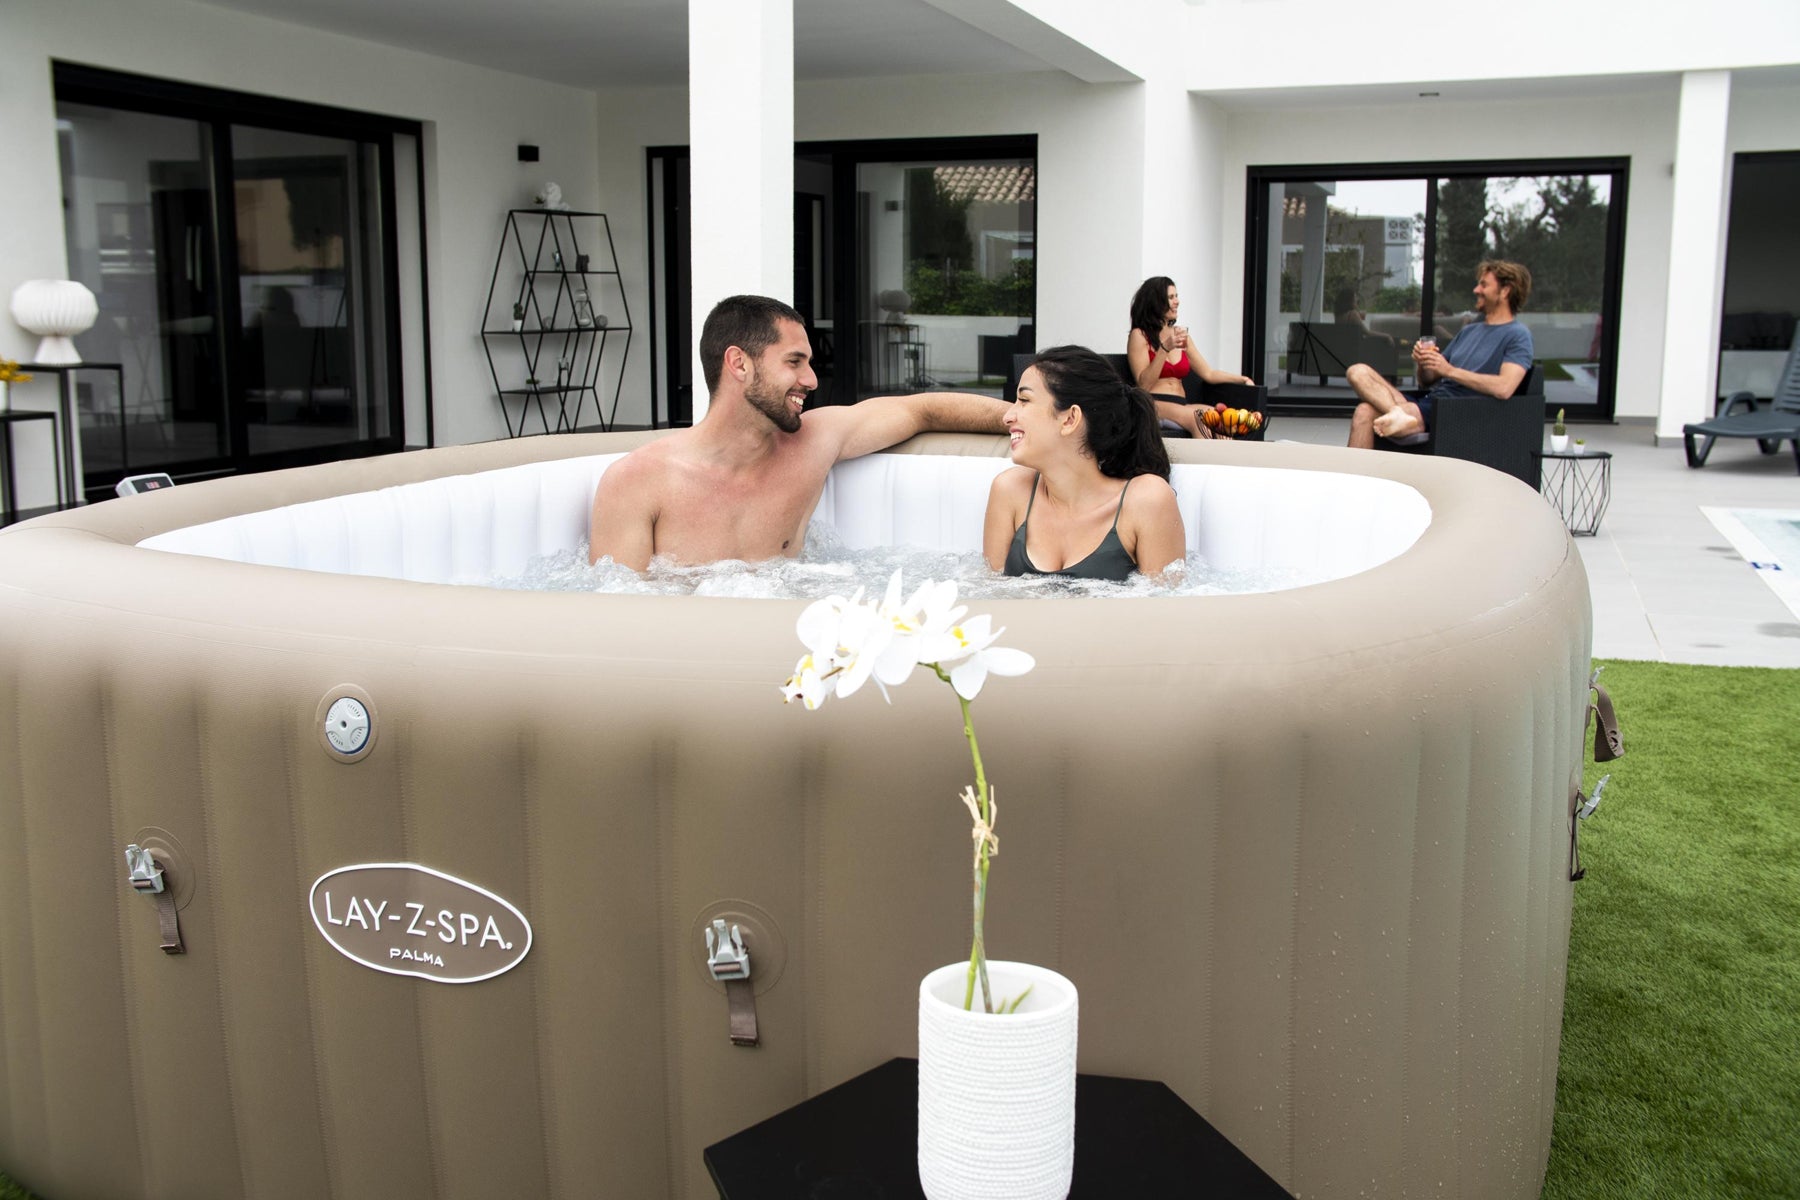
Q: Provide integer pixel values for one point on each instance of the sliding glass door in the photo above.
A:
(246, 276)
(943, 285)
(1354, 264)
(914, 266)
(309, 255)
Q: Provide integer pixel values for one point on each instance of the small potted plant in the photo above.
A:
(1559, 434)
(518, 316)
(9, 375)
(1581, 445)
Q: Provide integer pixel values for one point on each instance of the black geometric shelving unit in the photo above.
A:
(556, 319)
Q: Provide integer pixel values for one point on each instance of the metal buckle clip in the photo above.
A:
(1592, 802)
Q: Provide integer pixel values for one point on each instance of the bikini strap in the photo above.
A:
(1121, 507)
(1035, 480)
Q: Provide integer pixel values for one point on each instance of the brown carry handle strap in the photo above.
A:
(1608, 743)
(146, 877)
(740, 1001)
(728, 961)
(169, 923)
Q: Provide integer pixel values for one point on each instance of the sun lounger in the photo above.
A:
(1740, 418)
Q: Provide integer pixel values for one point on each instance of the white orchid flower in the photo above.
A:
(805, 685)
(862, 636)
(845, 639)
(818, 627)
(911, 622)
(978, 657)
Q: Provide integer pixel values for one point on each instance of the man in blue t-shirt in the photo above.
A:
(1489, 356)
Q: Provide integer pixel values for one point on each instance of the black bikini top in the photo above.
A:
(1108, 561)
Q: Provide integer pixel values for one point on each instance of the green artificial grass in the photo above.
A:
(1680, 1070)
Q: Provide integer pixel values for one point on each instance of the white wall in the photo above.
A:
(474, 117)
(1324, 43)
(1212, 187)
(1639, 126)
(631, 120)
(1763, 117)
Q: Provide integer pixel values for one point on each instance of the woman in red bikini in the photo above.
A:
(1161, 357)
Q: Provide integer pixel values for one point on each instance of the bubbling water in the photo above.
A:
(826, 566)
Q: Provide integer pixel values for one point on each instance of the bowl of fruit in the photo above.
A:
(1227, 422)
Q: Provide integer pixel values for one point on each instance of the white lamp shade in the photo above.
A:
(56, 310)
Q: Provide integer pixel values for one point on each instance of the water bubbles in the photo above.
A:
(828, 567)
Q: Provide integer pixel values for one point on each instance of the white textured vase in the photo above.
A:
(997, 1092)
(1559, 443)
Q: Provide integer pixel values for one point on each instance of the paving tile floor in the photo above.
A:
(1666, 584)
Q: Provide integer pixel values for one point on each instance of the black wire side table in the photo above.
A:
(1579, 487)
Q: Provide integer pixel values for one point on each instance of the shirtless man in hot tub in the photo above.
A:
(744, 481)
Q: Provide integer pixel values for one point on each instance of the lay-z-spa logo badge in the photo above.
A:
(411, 920)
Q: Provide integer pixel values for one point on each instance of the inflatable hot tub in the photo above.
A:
(1304, 852)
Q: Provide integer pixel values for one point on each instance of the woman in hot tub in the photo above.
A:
(1089, 497)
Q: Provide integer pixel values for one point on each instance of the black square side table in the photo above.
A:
(1579, 487)
(859, 1141)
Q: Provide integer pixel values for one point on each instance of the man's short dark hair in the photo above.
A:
(751, 323)
(1510, 275)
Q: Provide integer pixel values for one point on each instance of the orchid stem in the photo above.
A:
(978, 951)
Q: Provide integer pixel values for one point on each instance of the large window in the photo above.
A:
(1353, 264)
(242, 251)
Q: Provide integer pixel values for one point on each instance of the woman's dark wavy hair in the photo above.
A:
(1148, 305)
(1122, 430)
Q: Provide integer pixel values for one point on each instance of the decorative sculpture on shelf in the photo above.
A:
(896, 302)
(56, 310)
(551, 197)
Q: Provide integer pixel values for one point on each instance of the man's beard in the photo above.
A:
(772, 403)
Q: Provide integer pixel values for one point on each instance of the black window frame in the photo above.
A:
(847, 155)
(218, 109)
(1256, 245)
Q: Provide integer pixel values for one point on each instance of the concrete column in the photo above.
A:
(1165, 190)
(741, 142)
(1690, 366)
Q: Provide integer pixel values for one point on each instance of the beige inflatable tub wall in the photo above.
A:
(1305, 854)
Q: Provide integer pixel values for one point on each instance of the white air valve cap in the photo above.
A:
(347, 725)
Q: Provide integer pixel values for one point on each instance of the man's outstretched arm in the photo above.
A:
(884, 421)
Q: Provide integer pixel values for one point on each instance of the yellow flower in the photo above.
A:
(10, 373)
